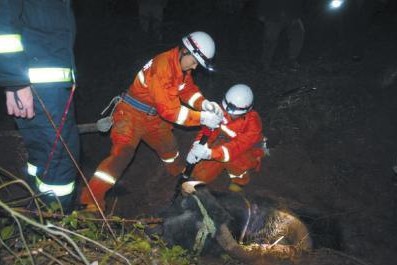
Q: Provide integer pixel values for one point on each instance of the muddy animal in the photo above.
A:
(255, 232)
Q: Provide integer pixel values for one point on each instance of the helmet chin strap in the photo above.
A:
(184, 52)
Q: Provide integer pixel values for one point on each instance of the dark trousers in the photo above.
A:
(38, 135)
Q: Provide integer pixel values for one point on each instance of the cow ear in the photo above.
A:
(189, 187)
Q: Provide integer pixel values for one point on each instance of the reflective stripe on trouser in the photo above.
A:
(129, 128)
(51, 189)
(107, 173)
(172, 163)
(209, 170)
(38, 136)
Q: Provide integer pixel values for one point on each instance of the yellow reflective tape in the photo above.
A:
(182, 116)
(50, 75)
(170, 160)
(32, 169)
(58, 190)
(193, 99)
(10, 43)
(105, 177)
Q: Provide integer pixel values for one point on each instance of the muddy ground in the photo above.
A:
(332, 125)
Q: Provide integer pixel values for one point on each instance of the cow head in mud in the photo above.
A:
(255, 232)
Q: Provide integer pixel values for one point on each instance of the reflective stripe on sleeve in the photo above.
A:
(237, 176)
(226, 155)
(50, 75)
(182, 116)
(105, 177)
(10, 43)
(229, 132)
(170, 160)
(141, 78)
(58, 190)
(193, 99)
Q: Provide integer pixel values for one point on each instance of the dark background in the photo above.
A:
(332, 125)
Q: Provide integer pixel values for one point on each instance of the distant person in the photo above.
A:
(36, 54)
(151, 13)
(163, 93)
(236, 146)
(281, 16)
(229, 23)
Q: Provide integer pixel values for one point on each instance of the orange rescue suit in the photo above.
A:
(236, 146)
(163, 85)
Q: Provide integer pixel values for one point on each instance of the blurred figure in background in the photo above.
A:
(281, 16)
(151, 13)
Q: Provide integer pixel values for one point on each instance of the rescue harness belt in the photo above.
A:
(149, 110)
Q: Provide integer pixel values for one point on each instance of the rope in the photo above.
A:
(75, 164)
(244, 231)
(59, 130)
(207, 228)
(114, 101)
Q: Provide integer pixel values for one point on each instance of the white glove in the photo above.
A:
(191, 158)
(210, 119)
(198, 152)
(212, 106)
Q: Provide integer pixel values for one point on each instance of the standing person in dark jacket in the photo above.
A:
(279, 16)
(36, 56)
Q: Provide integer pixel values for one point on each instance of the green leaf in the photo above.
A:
(7, 232)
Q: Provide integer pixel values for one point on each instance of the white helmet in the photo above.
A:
(201, 46)
(238, 99)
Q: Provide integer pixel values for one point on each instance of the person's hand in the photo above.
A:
(212, 106)
(189, 187)
(201, 151)
(210, 119)
(191, 158)
(20, 103)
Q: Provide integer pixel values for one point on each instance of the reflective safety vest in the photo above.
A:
(55, 189)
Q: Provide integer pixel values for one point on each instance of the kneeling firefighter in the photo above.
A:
(237, 146)
(163, 92)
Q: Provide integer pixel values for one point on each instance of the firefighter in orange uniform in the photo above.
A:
(237, 145)
(163, 92)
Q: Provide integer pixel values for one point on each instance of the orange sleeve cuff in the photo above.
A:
(217, 154)
(193, 119)
(198, 104)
